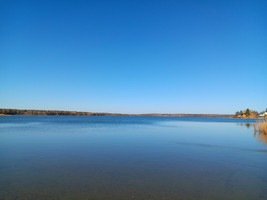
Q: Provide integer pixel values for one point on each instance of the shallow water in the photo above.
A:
(118, 157)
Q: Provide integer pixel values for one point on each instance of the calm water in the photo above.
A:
(106, 157)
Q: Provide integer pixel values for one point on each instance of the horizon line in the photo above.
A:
(115, 113)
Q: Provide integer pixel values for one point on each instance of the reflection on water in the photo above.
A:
(262, 137)
(248, 125)
(259, 135)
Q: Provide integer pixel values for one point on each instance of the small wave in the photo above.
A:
(223, 147)
(14, 125)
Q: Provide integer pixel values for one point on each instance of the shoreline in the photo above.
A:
(11, 112)
(129, 115)
(4, 115)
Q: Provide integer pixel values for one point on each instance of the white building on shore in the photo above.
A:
(263, 114)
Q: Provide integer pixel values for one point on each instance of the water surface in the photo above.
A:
(119, 157)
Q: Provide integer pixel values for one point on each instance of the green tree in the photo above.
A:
(247, 113)
(238, 113)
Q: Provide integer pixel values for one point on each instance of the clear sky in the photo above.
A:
(135, 56)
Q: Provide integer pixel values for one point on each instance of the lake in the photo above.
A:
(128, 157)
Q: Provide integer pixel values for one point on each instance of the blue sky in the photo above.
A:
(134, 56)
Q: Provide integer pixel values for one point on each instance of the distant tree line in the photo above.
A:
(44, 112)
(5, 111)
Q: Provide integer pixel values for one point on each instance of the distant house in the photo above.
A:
(263, 114)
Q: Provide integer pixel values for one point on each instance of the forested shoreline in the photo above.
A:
(4, 111)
